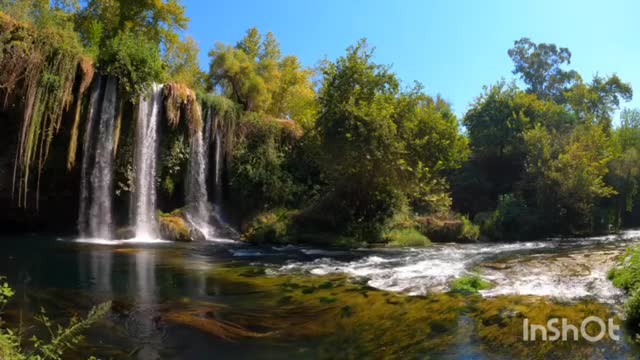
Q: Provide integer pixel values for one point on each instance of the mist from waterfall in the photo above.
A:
(146, 157)
(96, 186)
(196, 183)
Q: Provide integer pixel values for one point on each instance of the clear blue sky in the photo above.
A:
(453, 47)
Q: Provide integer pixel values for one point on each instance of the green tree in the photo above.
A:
(496, 123)
(596, 102)
(256, 75)
(540, 67)
(380, 147)
(184, 66)
(568, 174)
(158, 21)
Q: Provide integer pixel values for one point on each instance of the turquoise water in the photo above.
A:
(210, 300)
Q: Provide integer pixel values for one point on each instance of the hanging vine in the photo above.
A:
(39, 66)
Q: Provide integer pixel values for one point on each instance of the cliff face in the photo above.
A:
(57, 209)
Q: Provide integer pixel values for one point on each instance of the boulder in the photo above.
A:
(174, 227)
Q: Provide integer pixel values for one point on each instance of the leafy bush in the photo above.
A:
(260, 155)
(448, 228)
(61, 338)
(406, 237)
(134, 60)
(270, 227)
(508, 221)
(469, 284)
(627, 277)
(632, 309)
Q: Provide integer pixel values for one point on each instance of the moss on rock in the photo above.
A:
(173, 226)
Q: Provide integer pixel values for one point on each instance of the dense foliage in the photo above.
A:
(343, 149)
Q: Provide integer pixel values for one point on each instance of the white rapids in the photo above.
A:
(565, 269)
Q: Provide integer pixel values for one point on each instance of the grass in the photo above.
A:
(406, 237)
(627, 277)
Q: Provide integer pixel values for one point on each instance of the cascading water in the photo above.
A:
(196, 190)
(146, 146)
(218, 166)
(95, 217)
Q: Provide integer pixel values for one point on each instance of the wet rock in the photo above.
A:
(196, 235)
(127, 232)
(173, 227)
(496, 266)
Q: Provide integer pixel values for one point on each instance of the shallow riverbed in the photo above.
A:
(223, 299)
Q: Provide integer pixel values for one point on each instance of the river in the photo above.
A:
(224, 299)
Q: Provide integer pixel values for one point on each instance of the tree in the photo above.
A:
(496, 124)
(539, 66)
(566, 175)
(184, 66)
(256, 75)
(596, 102)
(628, 134)
(380, 146)
(235, 73)
(158, 21)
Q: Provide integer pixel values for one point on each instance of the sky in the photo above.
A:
(452, 47)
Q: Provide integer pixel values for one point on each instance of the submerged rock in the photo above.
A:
(496, 266)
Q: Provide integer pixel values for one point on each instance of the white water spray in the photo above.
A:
(96, 187)
(196, 190)
(149, 113)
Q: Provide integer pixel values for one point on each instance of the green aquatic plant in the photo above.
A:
(61, 338)
(469, 284)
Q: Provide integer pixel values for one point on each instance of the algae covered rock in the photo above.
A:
(174, 226)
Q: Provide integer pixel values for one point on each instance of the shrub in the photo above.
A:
(270, 227)
(627, 277)
(509, 221)
(632, 309)
(61, 338)
(406, 237)
(448, 228)
(134, 60)
(260, 154)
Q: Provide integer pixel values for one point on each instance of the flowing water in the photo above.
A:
(205, 299)
(196, 190)
(95, 216)
(146, 158)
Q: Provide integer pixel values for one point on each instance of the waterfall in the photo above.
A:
(96, 186)
(207, 138)
(196, 184)
(149, 113)
(218, 168)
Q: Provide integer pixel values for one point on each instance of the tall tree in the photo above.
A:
(540, 67)
(256, 75)
(380, 146)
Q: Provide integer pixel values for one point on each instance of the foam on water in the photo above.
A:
(419, 271)
(141, 240)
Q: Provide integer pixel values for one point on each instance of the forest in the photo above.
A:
(337, 178)
(342, 153)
